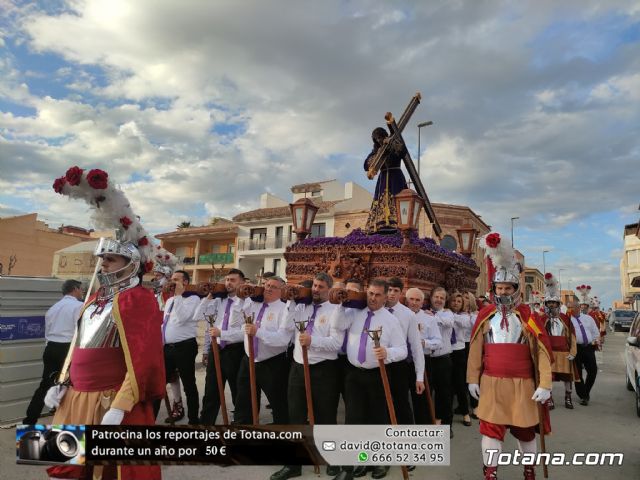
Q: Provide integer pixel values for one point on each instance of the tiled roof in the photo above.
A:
(309, 187)
(277, 212)
(226, 227)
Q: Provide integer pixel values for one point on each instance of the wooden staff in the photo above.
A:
(536, 374)
(302, 326)
(216, 360)
(248, 320)
(375, 336)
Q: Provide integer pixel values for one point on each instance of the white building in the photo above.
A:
(630, 266)
(264, 234)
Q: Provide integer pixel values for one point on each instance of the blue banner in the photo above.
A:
(21, 328)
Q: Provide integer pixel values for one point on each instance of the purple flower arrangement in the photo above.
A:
(359, 238)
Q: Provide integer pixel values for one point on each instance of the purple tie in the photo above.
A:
(582, 331)
(225, 322)
(258, 322)
(309, 328)
(390, 310)
(409, 354)
(344, 342)
(362, 351)
(453, 336)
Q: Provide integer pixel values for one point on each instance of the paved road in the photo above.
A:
(608, 424)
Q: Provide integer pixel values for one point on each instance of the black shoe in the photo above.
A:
(584, 402)
(411, 468)
(343, 475)
(379, 471)
(288, 471)
(361, 471)
(466, 423)
(333, 470)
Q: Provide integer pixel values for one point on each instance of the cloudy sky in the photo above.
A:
(197, 107)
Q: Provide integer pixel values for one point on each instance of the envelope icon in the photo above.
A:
(328, 446)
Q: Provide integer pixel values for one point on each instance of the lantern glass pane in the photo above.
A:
(466, 240)
(417, 207)
(310, 216)
(404, 212)
(298, 218)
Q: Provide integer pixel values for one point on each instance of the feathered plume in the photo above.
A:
(584, 290)
(111, 208)
(502, 255)
(551, 288)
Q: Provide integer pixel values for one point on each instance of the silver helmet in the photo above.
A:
(127, 276)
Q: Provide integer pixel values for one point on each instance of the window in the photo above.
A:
(318, 230)
(316, 193)
(528, 279)
(633, 257)
(279, 231)
(449, 243)
(529, 293)
(276, 266)
(258, 238)
(290, 233)
(231, 248)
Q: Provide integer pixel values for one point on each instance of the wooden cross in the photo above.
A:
(395, 138)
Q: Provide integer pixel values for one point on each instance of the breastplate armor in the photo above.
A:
(497, 334)
(98, 328)
(557, 327)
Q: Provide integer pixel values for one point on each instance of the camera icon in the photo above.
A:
(49, 446)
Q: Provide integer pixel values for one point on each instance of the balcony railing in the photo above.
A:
(264, 243)
(208, 259)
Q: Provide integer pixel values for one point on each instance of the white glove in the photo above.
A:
(113, 416)
(541, 395)
(474, 390)
(54, 396)
(570, 357)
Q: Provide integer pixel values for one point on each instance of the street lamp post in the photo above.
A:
(544, 267)
(512, 219)
(420, 125)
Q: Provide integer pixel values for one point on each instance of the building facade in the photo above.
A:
(207, 252)
(28, 245)
(265, 233)
(630, 267)
(533, 282)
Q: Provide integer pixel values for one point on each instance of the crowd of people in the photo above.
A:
(446, 353)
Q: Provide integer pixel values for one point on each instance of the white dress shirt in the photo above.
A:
(392, 337)
(591, 329)
(409, 325)
(234, 332)
(60, 320)
(445, 320)
(273, 334)
(462, 326)
(429, 332)
(180, 322)
(326, 339)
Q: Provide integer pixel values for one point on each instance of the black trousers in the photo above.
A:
(472, 401)
(401, 381)
(325, 393)
(366, 403)
(53, 360)
(459, 379)
(271, 378)
(421, 411)
(182, 355)
(230, 358)
(341, 373)
(586, 358)
(441, 384)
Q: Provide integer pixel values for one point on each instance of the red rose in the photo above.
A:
(97, 178)
(167, 257)
(74, 175)
(58, 184)
(143, 241)
(148, 266)
(125, 222)
(588, 287)
(493, 240)
(547, 276)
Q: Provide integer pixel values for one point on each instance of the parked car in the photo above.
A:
(621, 319)
(632, 359)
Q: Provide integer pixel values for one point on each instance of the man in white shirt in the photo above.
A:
(59, 326)
(587, 338)
(406, 375)
(431, 339)
(365, 397)
(179, 330)
(229, 334)
(441, 358)
(270, 337)
(323, 340)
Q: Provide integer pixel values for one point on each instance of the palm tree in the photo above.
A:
(184, 225)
